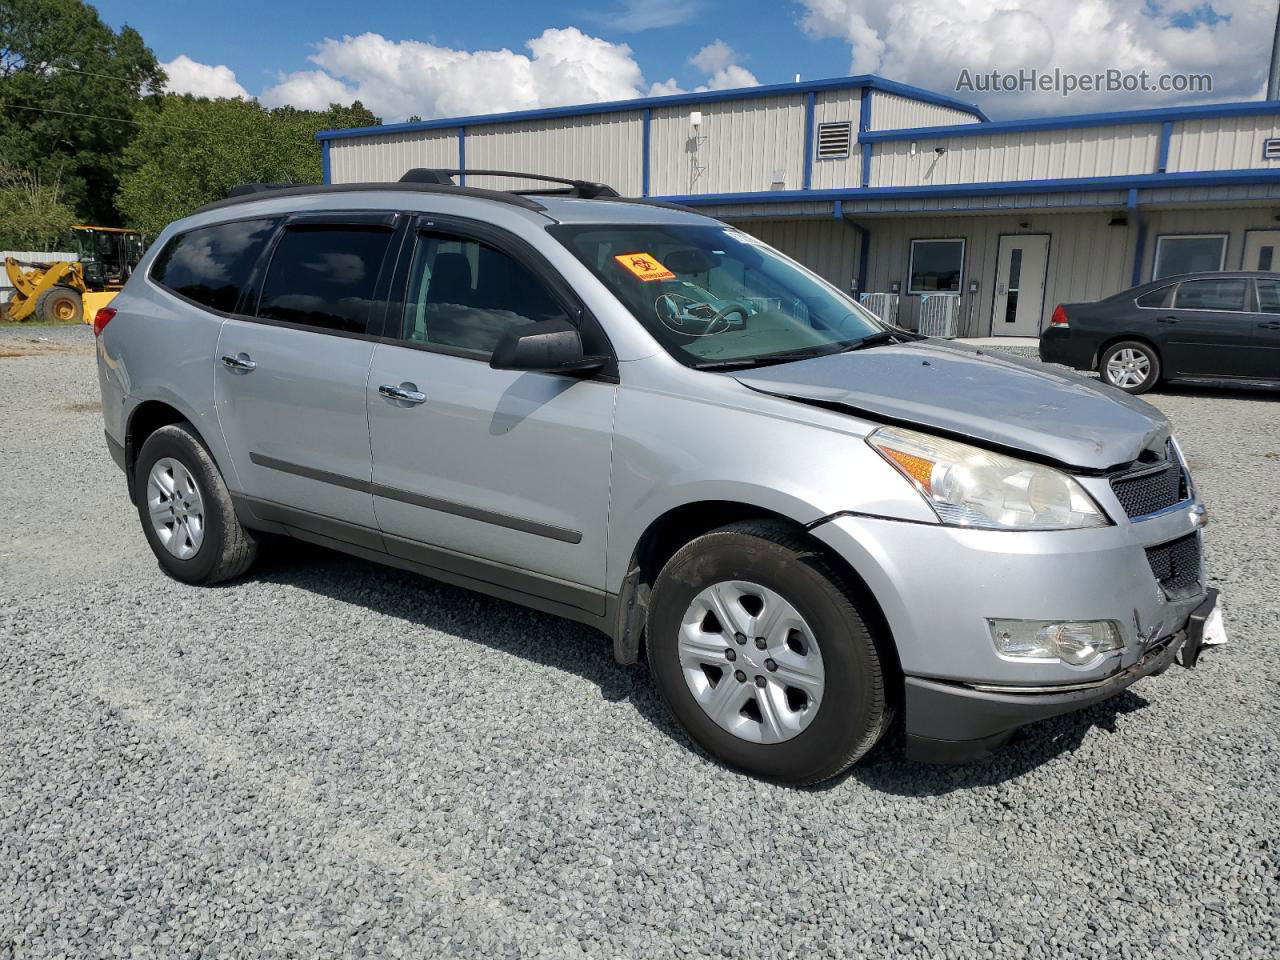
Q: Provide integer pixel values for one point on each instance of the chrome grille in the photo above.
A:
(1176, 564)
(1151, 489)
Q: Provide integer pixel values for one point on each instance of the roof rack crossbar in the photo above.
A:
(580, 189)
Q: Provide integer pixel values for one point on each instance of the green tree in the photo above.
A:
(189, 151)
(69, 87)
(33, 215)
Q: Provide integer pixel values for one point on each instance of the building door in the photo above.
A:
(1262, 251)
(1018, 304)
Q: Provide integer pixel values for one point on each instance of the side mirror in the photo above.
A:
(550, 346)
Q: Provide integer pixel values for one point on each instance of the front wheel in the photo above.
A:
(186, 510)
(764, 657)
(1130, 365)
(60, 305)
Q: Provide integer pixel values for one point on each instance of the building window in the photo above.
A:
(834, 140)
(1202, 253)
(937, 266)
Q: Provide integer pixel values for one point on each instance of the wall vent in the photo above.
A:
(834, 140)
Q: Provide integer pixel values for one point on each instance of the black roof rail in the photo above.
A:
(251, 192)
(581, 189)
(248, 189)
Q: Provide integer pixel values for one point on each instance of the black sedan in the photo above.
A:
(1200, 326)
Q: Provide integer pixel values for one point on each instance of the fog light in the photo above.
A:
(1076, 642)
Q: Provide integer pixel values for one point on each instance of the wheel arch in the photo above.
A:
(670, 531)
(1110, 342)
(144, 420)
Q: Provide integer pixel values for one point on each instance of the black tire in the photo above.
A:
(1146, 351)
(854, 710)
(227, 549)
(60, 305)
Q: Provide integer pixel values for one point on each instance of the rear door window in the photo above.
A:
(212, 265)
(1211, 295)
(324, 277)
(1268, 296)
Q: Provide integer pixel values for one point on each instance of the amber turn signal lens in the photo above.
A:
(916, 468)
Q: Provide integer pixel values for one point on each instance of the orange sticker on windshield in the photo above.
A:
(645, 267)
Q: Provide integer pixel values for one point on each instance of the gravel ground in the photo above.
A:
(333, 759)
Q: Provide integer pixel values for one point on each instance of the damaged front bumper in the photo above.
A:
(954, 722)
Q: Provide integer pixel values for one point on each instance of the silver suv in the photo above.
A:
(648, 421)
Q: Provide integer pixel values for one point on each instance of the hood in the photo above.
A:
(965, 391)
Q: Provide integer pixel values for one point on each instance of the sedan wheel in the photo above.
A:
(1131, 366)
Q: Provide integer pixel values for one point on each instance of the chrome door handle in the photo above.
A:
(1167, 320)
(402, 393)
(1270, 325)
(240, 362)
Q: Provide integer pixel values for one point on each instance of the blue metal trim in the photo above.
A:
(711, 96)
(462, 156)
(864, 124)
(646, 121)
(1166, 134)
(1139, 181)
(808, 140)
(1155, 115)
(326, 175)
(1139, 252)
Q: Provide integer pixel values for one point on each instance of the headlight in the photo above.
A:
(971, 487)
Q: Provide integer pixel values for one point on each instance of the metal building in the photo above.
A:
(978, 227)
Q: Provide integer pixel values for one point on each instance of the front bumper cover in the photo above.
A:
(958, 722)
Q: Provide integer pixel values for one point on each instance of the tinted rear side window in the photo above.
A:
(324, 277)
(211, 265)
(1157, 298)
(1210, 295)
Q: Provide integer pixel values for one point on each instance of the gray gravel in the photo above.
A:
(333, 759)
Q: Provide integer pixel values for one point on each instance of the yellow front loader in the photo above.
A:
(46, 292)
(65, 292)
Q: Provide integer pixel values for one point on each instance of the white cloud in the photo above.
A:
(396, 79)
(718, 61)
(929, 42)
(653, 15)
(714, 56)
(189, 76)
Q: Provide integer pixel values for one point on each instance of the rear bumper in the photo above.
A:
(957, 722)
(1058, 346)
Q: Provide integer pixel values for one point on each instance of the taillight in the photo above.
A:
(1059, 318)
(103, 317)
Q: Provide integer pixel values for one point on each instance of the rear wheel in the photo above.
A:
(1131, 365)
(186, 510)
(60, 305)
(764, 657)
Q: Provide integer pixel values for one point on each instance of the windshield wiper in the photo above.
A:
(882, 337)
(762, 361)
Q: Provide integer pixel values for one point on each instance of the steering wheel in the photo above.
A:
(671, 309)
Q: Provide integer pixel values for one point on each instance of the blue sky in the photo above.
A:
(768, 33)
(449, 59)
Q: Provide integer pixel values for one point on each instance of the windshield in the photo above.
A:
(715, 296)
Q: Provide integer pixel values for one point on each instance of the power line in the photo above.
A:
(137, 123)
(51, 69)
